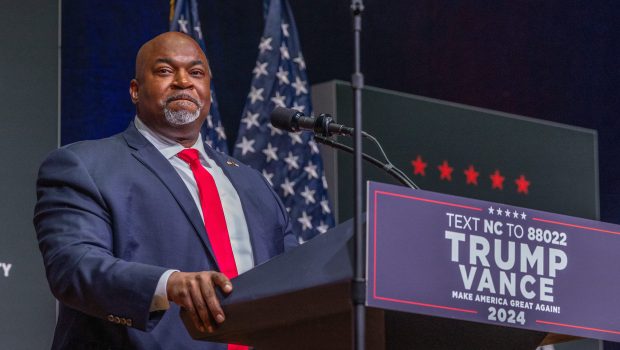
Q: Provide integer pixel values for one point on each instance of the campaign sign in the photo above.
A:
(454, 257)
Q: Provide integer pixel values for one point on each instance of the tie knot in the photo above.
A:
(189, 155)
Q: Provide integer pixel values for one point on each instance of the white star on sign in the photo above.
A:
(285, 29)
(291, 160)
(246, 146)
(256, 94)
(278, 100)
(523, 216)
(311, 170)
(308, 195)
(268, 176)
(274, 130)
(300, 61)
(287, 187)
(250, 120)
(295, 137)
(271, 152)
(265, 45)
(260, 69)
(284, 52)
(300, 86)
(507, 213)
(515, 214)
(491, 210)
(305, 220)
(183, 24)
(325, 206)
(499, 211)
(282, 76)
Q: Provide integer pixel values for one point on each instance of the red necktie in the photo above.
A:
(214, 219)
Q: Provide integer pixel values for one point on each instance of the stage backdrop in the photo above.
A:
(466, 151)
(552, 60)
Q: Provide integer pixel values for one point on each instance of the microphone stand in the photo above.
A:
(359, 278)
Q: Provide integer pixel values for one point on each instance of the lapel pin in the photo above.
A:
(230, 162)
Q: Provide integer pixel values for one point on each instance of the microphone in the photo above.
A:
(292, 120)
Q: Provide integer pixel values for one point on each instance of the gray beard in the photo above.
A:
(181, 117)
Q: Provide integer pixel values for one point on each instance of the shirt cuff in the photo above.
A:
(160, 297)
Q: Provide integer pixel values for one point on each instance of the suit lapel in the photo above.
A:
(153, 160)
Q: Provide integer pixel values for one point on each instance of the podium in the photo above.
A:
(302, 300)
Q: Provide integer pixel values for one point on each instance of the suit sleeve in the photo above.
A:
(73, 226)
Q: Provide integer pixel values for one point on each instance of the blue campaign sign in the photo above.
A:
(461, 258)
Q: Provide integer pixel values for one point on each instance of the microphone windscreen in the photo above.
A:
(285, 118)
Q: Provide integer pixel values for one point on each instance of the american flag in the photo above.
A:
(290, 161)
(184, 18)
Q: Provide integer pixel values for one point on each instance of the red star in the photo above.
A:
(445, 171)
(522, 185)
(497, 180)
(419, 166)
(471, 175)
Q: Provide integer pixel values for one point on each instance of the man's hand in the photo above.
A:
(195, 292)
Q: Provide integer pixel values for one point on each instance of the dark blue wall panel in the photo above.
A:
(553, 60)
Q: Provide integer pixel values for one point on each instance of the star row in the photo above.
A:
(271, 153)
(299, 84)
(507, 213)
(471, 175)
(257, 94)
(311, 171)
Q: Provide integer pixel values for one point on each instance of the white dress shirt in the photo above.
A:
(233, 211)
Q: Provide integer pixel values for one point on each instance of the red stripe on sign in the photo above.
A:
(428, 200)
(578, 327)
(576, 226)
(428, 305)
(374, 250)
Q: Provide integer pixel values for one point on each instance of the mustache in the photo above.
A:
(183, 96)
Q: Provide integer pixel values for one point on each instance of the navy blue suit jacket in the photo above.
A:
(112, 215)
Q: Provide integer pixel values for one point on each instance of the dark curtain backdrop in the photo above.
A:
(553, 60)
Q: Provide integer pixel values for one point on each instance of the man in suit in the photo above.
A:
(124, 226)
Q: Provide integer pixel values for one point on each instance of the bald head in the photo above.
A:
(162, 41)
(171, 89)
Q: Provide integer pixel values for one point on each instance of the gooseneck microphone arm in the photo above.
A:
(388, 167)
(324, 126)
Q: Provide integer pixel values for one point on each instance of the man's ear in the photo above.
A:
(133, 90)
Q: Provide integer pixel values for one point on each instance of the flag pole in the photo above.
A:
(359, 279)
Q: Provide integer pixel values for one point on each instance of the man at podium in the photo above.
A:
(129, 223)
